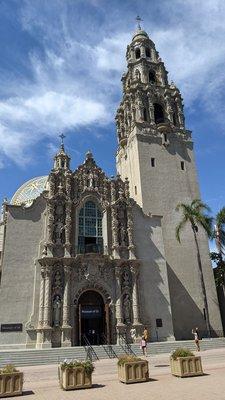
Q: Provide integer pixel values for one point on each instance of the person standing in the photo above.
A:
(143, 346)
(145, 333)
(133, 334)
(195, 332)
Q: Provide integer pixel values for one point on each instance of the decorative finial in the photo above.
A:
(138, 19)
(62, 138)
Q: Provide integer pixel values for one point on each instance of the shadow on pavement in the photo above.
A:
(27, 392)
(97, 386)
(162, 365)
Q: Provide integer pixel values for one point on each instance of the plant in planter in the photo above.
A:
(132, 369)
(75, 374)
(11, 381)
(184, 363)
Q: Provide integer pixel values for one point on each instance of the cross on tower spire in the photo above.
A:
(138, 19)
(62, 136)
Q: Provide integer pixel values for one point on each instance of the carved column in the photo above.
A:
(50, 226)
(115, 242)
(126, 188)
(180, 112)
(136, 313)
(120, 327)
(44, 329)
(66, 327)
(119, 310)
(130, 231)
(66, 296)
(150, 108)
(41, 301)
(68, 228)
(135, 302)
(47, 301)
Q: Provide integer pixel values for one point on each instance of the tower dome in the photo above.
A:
(29, 191)
(140, 34)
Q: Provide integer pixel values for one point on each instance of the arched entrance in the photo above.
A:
(93, 318)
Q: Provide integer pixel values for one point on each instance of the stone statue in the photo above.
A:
(58, 280)
(123, 236)
(126, 308)
(56, 311)
(58, 232)
(90, 180)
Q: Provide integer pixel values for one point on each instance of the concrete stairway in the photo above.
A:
(56, 355)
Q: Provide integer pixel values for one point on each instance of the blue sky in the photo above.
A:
(60, 66)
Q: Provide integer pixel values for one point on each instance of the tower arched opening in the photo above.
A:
(151, 77)
(137, 53)
(158, 113)
(147, 52)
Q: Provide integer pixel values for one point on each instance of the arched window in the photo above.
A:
(137, 53)
(151, 77)
(145, 115)
(158, 113)
(90, 229)
(148, 52)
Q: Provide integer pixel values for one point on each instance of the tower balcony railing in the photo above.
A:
(90, 248)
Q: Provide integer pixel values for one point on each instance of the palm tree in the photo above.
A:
(219, 231)
(194, 214)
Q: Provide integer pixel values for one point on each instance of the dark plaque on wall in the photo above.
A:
(159, 323)
(11, 327)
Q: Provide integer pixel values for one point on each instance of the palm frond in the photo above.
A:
(195, 214)
(220, 218)
(198, 205)
(179, 228)
(206, 222)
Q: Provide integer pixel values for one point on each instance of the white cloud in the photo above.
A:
(74, 77)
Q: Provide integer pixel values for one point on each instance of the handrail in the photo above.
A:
(125, 345)
(91, 354)
(108, 347)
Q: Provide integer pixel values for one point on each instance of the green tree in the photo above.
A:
(219, 271)
(195, 215)
(219, 231)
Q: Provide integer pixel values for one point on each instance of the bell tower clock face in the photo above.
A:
(28, 192)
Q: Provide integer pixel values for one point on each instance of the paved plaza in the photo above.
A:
(41, 382)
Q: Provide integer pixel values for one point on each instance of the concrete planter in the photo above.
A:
(186, 366)
(11, 384)
(74, 378)
(133, 372)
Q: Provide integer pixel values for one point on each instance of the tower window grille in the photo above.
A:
(158, 113)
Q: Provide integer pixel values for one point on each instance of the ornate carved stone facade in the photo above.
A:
(67, 265)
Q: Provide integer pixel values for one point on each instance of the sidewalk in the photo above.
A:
(41, 382)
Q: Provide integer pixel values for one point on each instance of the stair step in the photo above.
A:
(54, 355)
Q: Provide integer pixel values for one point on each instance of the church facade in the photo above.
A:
(88, 258)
